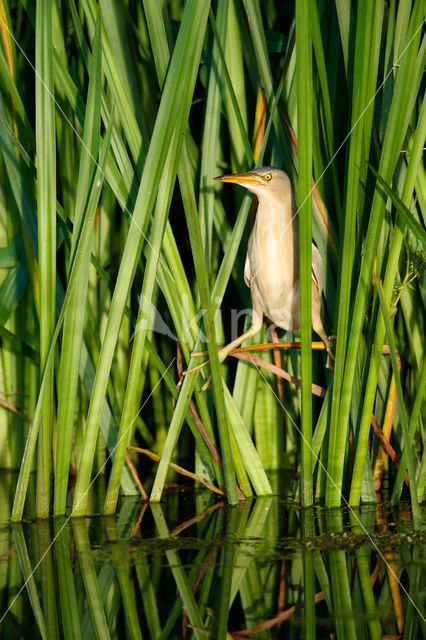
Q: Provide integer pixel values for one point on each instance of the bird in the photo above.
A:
(271, 268)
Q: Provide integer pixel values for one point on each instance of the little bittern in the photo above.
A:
(272, 263)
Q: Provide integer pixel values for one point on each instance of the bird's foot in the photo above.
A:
(197, 368)
(223, 352)
(196, 354)
(206, 384)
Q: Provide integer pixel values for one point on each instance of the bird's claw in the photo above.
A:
(196, 354)
(206, 384)
(197, 368)
(222, 356)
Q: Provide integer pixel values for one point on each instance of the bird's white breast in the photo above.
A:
(274, 262)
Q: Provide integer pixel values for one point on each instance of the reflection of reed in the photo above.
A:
(263, 567)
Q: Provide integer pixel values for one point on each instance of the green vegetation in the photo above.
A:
(117, 249)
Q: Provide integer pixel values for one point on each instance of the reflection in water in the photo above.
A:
(265, 569)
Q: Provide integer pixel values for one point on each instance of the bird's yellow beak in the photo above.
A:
(243, 179)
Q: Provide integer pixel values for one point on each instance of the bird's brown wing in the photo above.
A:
(317, 269)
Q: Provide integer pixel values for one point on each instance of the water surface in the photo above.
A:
(193, 567)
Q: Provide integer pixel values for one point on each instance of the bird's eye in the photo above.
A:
(267, 177)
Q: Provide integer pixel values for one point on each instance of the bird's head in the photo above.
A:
(263, 181)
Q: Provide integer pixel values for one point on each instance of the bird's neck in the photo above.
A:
(277, 215)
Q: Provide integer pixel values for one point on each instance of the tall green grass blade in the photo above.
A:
(20, 347)
(224, 231)
(46, 212)
(248, 453)
(11, 89)
(257, 33)
(123, 64)
(304, 134)
(12, 289)
(401, 26)
(158, 36)
(258, 41)
(268, 430)
(23, 203)
(173, 433)
(107, 424)
(211, 129)
(11, 256)
(237, 461)
(244, 390)
(414, 322)
(327, 119)
(346, 19)
(235, 98)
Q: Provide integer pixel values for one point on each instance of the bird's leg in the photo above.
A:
(316, 307)
(327, 341)
(226, 350)
(330, 354)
